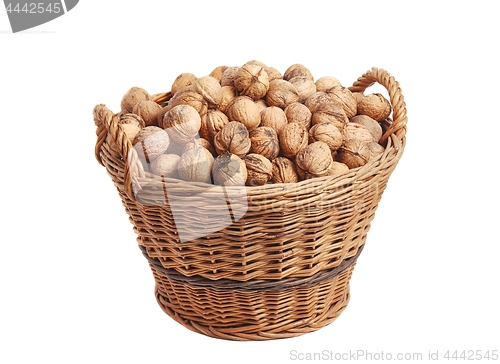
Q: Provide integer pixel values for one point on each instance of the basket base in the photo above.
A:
(253, 316)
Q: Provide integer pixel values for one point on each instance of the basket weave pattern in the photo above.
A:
(299, 234)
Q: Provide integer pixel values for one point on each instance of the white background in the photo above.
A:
(75, 288)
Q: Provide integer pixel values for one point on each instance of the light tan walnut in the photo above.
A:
(293, 138)
(195, 165)
(182, 123)
(264, 141)
(132, 97)
(259, 169)
(284, 171)
(229, 170)
(233, 137)
(150, 142)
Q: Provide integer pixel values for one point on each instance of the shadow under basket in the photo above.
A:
(252, 263)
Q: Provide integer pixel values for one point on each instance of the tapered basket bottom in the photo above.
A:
(253, 311)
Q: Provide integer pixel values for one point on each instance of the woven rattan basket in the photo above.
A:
(252, 263)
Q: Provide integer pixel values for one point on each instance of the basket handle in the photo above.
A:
(107, 124)
(399, 117)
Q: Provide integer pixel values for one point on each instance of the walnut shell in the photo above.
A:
(150, 142)
(195, 165)
(244, 110)
(315, 159)
(273, 73)
(213, 121)
(191, 98)
(375, 149)
(304, 86)
(183, 80)
(210, 88)
(337, 168)
(298, 113)
(297, 70)
(326, 82)
(330, 112)
(371, 124)
(344, 97)
(148, 111)
(328, 133)
(353, 153)
(261, 104)
(375, 106)
(293, 138)
(281, 93)
(284, 171)
(132, 119)
(166, 166)
(199, 142)
(130, 130)
(229, 93)
(227, 78)
(229, 170)
(132, 97)
(252, 80)
(259, 169)
(233, 137)
(273, 117)
(217, 72)
(357, 131)
(317, 99)
(182, 123)
(264, 141)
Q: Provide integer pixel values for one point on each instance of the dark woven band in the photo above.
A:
(253, 285)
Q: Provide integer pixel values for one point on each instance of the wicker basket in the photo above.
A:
(252, 263)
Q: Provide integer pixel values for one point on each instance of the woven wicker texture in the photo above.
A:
(270, 233)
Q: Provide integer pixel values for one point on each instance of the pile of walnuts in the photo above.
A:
(252, 125)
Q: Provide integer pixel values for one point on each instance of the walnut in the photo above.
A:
(183, 80)
(371, 124)
(328, 133)
(281, 93)
(148, 111)
(353, 153)
(150, 142)
(166, 165)
(304, 86)
(316, 100)
(217, 72)
(337, 168)
(229, 170)
(375, 106)
(132, 97)
(273, 117)
(284, 171)
(244, 110)
(252, 80)
(315, 159)
(227, 78)
(195, 165)
(132, 119)
(210, 88)
(233, 137)
(326, 82)
(293, 138)
(298, 113)
(264, 141)
(259, 169)
(130, 130)
(213, 121)
(191, 98)
(357, 131)
(261, 104)
(375, 149)
(182, 123)
(273, 73)
(229, 93)
(344, 97)
(330, 112)
(297, 70)
(199, 142)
